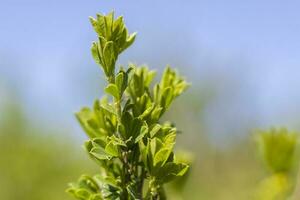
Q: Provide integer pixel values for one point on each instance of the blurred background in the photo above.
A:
(242, 58)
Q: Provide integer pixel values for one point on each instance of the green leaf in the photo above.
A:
(109, 180)
(88, 182)
(170, 171)
(154, 130)
(127, 119)
(170, 86)
(112, 89)
(109, 108)
(95, 147)
(129, 41)
(166, 97)
(144, 152)
(143, 132)
(94, 23)
(117, 141)
(120, 81)
(112, 149)
(135, 127)
(85, 188)
(169, 139)
(117, 27)
(162, 156)
(150, 76)
(83, 116)
(109, 57)
(156, 113)
(155, 145)
(99, 153)
(96, 54)
(109, 20)
(147, 112)
(82, 194)
(113, 31)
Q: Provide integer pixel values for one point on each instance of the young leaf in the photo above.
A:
(96, 54)
(170, 171)
(154, 130)
(162, 156)
(112, 149)
(109, 58)
(113, 90)
(143, 132)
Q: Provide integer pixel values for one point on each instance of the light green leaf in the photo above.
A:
(117, 27)
(129, 41)
(166, 97)
(82, 194)
(99, 153)
(96, 54)
(150, 76)
(156, 113)
(155, 145)
(109, 57)
(117, 141)
(109, 108)
(143, 132)
(109, 20)
(120, 81)
(112, 149)
(83, 116)
(112, 89)
(155, 130)
(170, 171)
(162, 156)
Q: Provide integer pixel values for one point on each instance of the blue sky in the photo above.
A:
(247, 50)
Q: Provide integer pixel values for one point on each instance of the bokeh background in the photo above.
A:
(242, 58)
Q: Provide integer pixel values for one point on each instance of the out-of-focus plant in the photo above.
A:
(31, 164)
(278, 150)
(127, 139)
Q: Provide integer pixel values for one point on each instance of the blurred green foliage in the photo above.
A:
(278, 150)
(35, 163)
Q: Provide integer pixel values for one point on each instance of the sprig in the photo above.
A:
(127, 139)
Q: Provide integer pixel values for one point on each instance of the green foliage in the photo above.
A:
(113, 39)
(278, 149)
(31, 162)
(134, 149)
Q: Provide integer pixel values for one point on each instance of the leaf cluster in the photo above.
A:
(134, 149)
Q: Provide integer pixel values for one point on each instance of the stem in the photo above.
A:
(141, 184)
(117, 102)
(124, 159)
(128, 168)
(125, 174)
(118, 108)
